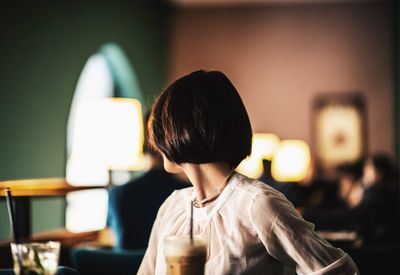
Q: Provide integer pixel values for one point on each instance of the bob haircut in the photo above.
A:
(200, 118)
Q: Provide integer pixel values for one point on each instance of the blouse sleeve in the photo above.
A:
(147, 267)
(292, 240)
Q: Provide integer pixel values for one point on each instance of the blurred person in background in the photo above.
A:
(367, 201)
(133, 206)
(350, 189)
(378, 202)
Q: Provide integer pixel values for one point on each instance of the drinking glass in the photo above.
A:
(35, 258)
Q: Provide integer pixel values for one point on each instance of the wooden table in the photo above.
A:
(68, 240)
(24, 190)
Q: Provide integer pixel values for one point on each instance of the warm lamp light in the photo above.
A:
(263, 147)
(251, 167)
(84, 206)
(291, 161)
(108, 135)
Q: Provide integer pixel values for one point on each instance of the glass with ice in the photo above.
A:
(35, 258)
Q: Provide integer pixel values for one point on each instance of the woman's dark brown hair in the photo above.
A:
(200, 118)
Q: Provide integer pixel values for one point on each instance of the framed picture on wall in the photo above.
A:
(339, 130)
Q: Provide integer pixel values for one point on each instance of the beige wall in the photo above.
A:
(280, 57)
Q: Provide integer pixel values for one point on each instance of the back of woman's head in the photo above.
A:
(200, 118)
(147, 148)
(385, 167)
(353, 170)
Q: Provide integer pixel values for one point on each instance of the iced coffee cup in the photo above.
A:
(185, 256)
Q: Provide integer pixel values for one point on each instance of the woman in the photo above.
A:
(200, 126)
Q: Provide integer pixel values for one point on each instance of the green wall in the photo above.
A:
(44, 46)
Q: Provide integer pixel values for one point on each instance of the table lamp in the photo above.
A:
(107, 137)
(291, 161)
(263, 147)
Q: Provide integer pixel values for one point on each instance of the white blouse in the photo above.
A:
(251, 229)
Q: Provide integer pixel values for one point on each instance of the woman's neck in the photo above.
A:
(207, 177)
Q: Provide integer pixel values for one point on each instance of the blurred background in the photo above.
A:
(307, 70)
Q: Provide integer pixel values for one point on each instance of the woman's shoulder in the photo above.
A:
(177, 199)
(256, 188)
(182, 193)
(264, 197)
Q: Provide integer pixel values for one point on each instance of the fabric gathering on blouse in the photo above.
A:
(251, 229)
